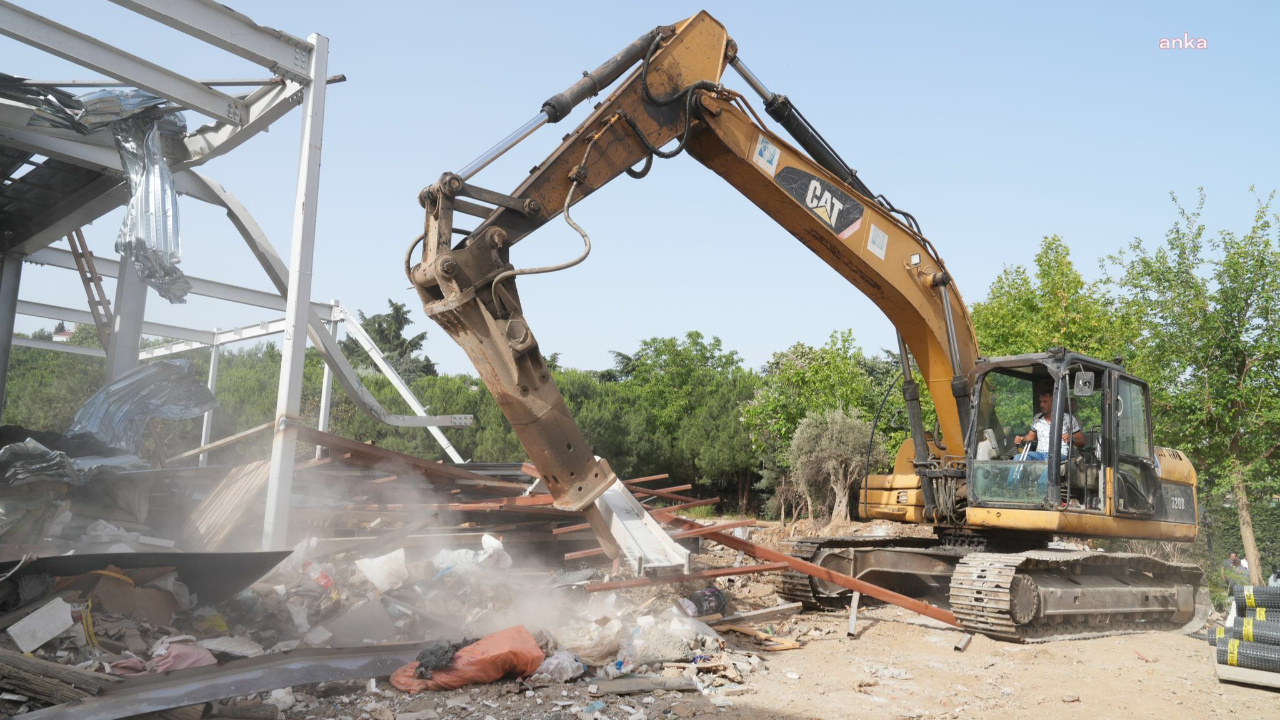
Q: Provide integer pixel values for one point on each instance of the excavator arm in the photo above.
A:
(466, 279)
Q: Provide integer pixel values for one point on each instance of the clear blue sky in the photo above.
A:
(995, 124)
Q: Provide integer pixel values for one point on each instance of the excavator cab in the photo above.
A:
(1103, 461)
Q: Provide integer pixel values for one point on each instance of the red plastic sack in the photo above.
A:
(507, 652)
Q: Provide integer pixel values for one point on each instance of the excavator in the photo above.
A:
(998, 512)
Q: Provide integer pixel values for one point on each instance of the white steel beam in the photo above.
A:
(58, 257)
(173, 348)
(59, 347)
(326, 387)
(128, 310)
(206, 429)
(355, 330)
(262, 107)
(275, 524)
(72, 315)
(223, 27)
(10, 277)
(37, 31)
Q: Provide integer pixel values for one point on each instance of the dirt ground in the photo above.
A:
(899, 665)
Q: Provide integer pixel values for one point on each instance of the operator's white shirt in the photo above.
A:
(1041, 427)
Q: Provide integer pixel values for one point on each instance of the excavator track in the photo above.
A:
(993, 594)
(795, 586)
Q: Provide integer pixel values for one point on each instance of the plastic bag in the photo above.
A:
(513, 651)
(593, 644)
(491, 557)
(559, 667)
(708, 601)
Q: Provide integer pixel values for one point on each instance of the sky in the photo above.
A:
(995, 124)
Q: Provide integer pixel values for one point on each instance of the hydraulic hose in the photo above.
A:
(1253, 656)
(1255, 596)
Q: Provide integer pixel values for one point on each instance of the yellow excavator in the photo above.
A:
(992, 482)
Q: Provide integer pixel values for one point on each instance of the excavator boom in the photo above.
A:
(675, 95)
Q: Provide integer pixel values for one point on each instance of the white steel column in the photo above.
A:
(126, 323)
(206, 430)
(326, 390)
(10, 275)
(275, 525)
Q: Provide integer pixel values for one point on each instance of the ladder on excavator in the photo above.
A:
(99, 306)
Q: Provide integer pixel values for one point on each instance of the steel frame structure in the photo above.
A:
(300, 77)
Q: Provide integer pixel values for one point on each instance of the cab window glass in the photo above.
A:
(1131, 419)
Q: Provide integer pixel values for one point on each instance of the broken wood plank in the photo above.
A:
(49, 681)
(636, 685)
(776, 643)
(218, 444)
(760, 615)
(681, 535)
(665, 493)
(670, 579)
(218, 515)
(845, 581)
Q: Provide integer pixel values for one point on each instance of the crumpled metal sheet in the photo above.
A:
(119, 412)
(149, 234)
(28, 461)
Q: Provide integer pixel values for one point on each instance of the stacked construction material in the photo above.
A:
(1249, 639)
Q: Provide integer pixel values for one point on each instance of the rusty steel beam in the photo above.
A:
(763, 553)
(650, 478)
(700, 575)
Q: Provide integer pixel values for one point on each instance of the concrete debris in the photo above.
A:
(42, 625)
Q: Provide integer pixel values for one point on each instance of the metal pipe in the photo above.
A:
(501, 148)
(10, 276)
(326, 386)
(755, 83)
(206, 429)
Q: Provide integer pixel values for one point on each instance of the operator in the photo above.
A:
(1040, 434)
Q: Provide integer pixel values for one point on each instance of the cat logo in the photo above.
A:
(822, 204)
(829, 203)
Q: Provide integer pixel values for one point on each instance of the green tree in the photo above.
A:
(387, 331)
(804, 380)
(1053, 307)
(715, 436)
(1209, 307)
(828, 457)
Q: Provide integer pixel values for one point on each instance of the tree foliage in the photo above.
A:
(1209, 309)
(1051, 307)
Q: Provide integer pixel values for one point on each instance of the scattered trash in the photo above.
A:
(561, 667)
(386, 572)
